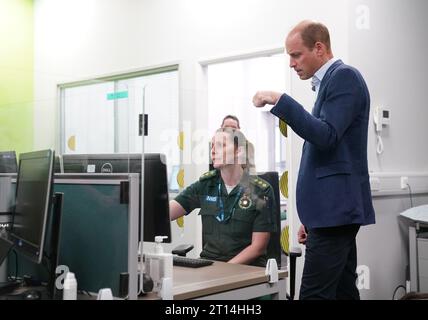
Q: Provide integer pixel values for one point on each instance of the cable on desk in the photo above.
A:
(396, 289)
(16, 264)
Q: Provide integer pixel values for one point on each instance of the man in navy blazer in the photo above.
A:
(333, 190)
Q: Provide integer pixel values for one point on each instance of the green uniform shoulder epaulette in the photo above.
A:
(259, 182)
(208, 175)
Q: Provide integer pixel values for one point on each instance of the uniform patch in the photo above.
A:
(245, 202)
(211, 199)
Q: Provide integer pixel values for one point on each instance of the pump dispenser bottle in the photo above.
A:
(165, 257)
(70, 287)
(159, 264)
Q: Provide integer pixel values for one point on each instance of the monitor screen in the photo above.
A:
(156, 198)
(102, 163)
(33, 198)
(156, 202)
(8, 162)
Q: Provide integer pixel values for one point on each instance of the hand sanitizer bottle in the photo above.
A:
(70, 287)
(159, 264)
(166, 264)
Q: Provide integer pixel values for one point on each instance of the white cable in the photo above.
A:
(141, 269)
(379, 144)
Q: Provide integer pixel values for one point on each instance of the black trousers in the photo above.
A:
(330, 264)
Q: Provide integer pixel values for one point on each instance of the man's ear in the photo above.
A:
(320, 48)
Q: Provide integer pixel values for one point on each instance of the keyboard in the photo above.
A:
(8, 287)
(190, 262)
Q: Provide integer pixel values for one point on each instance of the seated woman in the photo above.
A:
(236, 208)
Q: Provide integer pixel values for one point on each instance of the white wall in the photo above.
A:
(392, 56)
(85, 38)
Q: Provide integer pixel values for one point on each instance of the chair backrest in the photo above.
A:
(274, 246)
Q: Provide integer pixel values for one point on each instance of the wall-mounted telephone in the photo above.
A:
(381, 117)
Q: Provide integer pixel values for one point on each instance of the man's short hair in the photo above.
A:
(315, 32)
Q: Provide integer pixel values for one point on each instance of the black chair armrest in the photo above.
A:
(295, 252)
(182, 249)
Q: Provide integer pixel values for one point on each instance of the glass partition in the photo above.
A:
(106, 117)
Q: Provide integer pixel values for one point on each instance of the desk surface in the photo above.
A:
(190, 283)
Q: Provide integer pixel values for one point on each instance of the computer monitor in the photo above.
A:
(8, 162)
(33, 200)
(156, 198)
(156, 204)
(58, 164)
(102, 163)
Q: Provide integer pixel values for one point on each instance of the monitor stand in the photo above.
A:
(52, 262)
(5, 247)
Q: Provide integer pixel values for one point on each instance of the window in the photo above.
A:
(103, 115)
(231, 87)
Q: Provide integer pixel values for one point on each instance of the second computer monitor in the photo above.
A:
(156, 198)
(32, 203)
(8, 162)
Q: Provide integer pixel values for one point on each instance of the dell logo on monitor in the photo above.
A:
(107, 168)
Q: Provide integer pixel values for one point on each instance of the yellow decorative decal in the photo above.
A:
(180, 178)
(283, 128)
(71, 143)
(180, 140)
(284, 240)
(283, 184)
(180, 222)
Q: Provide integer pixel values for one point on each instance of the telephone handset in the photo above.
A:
(380, 117)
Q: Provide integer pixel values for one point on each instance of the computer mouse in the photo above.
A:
(32, 295)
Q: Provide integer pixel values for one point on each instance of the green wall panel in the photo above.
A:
(16, 75)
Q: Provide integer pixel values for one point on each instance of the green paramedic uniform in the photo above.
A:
(228, 220)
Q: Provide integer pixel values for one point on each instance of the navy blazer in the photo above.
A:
(333, 186)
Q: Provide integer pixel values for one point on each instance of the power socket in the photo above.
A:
(374, 184)
(403, 182)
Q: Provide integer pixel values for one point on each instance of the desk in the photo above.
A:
(219, 281)
(418, 257)
(226, 281)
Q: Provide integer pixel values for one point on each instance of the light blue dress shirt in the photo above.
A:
(319, 75)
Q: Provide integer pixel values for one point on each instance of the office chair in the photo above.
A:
(274, 245)
(182, 249)
(292, 254)
(279, 239)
